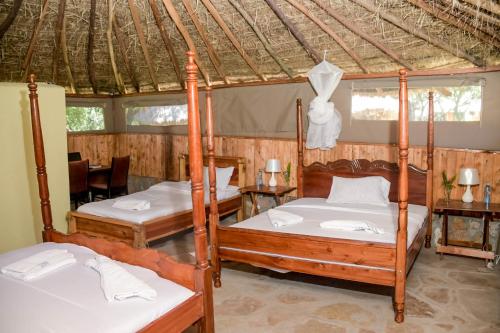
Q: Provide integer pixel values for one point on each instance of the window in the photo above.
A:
(84, 118)
(457, 103)
(161, 115)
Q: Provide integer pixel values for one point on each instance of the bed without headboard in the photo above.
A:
(377, 262)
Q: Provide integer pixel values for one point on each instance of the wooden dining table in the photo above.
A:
(98, 172)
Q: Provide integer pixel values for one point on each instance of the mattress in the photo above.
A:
(70, 299)
(316, 210)
(166, 198)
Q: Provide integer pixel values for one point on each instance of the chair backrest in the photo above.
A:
(78, 176)
(74, 156)
(119, 171)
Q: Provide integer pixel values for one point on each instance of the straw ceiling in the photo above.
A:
(129, 46)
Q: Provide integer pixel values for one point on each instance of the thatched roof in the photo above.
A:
(75, 44)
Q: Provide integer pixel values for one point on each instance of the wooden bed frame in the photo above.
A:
(199, 307)
(139, 234)
(364, 261)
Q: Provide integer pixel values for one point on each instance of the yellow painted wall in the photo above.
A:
(20, 217)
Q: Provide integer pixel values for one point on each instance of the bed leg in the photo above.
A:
(427, 241)
(399, 308)
(216, 273)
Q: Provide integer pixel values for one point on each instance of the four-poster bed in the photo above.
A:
(53, 310)
(380, 261)
(172, 215)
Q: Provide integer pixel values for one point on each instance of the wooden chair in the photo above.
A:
(116, 182)
(78, 181)
(74, 156)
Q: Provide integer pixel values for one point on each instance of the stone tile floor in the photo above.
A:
(452, 294)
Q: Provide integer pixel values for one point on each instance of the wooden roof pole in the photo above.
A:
(197, 197)
(251, 22)
(474, 14)
(295, 32)
(450, 19)
(372, 40)
(90, 47)
(214, 58)
(332, 34)
(109, 35)
(185, 34)
(402, 233)
(215, 14)
(123, 51)
(10, 17)
(64, 49)
(25, 67)
(142, 41)
(488, 5)
(436, 41)
(166, 41)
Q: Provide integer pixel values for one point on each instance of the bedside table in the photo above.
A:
(474, 209)
(278, 192)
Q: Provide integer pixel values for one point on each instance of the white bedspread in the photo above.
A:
(71, 300)
(316, 210)
(165, 198)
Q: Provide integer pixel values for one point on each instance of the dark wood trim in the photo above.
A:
(430, 168)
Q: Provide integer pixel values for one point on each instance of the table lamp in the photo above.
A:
(468, 176)
(273, 166)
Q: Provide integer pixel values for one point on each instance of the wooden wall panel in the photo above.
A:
(156, 155)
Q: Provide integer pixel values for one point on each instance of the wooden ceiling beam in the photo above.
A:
(214, 58)
(166, 40)
(25, 67)
(215, 14)
(123, 51)
(10, 17)
(252, 23)
(142, 41)
(174, 15)
(60, 44)
(450, 19)
(488, 5)
(372, 40)
(109, 35)
(90, 47)
(413, 29)
(332, 34)
(295, 32)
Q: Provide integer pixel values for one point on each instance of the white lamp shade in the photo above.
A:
(273, 165)
(468, 176)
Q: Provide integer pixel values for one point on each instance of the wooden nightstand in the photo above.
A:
(278, 192)
(474, 209)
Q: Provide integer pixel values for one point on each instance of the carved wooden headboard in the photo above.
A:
(317, 177)
(239, 163)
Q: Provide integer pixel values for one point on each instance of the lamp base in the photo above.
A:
(467, 197)
(272, 181)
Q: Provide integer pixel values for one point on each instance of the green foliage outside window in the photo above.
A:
(84, 118)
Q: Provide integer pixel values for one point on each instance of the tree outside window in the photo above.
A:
(84, 118)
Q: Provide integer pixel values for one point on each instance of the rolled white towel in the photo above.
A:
(281, 218)
(352, 225)
(132, 204)
(117, 283)
(39, 264)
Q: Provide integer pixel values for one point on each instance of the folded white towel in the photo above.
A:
(132, 204)
(39, 264)
(352, 225)
(281, 218)
(117, 283)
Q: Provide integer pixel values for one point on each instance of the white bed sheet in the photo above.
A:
(317, 210)
(166, 198)
(71, 300)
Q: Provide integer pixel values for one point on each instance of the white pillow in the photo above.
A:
(372, 190)
(223, 176)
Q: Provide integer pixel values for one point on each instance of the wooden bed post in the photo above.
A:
(430, 169)
(214, 210)
(300, 150)
(41, 173)
(402, 235)
(196, 173)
